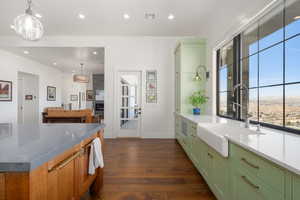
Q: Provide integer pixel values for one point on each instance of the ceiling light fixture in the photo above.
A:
(38, 15)
(297, 17)
(81, 16)
(29, 26)
(26, 52)
(171, 17)
(126, 16)
(95, 53)
(81, 78)
(54, 63)
(12, 27)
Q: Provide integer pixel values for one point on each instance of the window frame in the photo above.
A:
(237, 78)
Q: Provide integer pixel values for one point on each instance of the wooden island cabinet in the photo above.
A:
(65, 177)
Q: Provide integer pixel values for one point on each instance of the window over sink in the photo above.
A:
(265, 59)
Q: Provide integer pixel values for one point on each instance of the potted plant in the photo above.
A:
(198, 99)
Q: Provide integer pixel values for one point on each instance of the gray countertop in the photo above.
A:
(25, 147)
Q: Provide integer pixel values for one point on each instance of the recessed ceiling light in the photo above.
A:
(297, 17)
(12, 27)
(26, 52)
(171, 17)
(95, 52)
(54, 63)
(81, 16)
(126, 16)
(38, 15)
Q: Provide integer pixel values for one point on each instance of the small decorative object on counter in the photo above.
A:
(198, 99)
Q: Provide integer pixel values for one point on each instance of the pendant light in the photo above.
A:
(81, 78)
(28, 26)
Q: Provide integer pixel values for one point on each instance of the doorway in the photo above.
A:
(129, 104)
(28, 98)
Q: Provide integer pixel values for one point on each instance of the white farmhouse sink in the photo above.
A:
(216, 134)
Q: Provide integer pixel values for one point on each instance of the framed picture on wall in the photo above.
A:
(151, 86)
(74, 97)
(5, 90)
(90, 96)
(28, 97)
(51, 93)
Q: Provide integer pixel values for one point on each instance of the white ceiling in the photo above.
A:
(67, 59)
(105, 17)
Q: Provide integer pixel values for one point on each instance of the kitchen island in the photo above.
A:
(47, 161)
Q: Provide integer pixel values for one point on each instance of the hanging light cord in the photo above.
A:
(29, 10)
(81, 68)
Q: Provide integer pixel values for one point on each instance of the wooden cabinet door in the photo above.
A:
(61, 183)
(84, 180)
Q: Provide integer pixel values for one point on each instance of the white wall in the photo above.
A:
(141, 55)
(131, 53)
(48, 76)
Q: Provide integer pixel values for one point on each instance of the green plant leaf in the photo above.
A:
(198, 98)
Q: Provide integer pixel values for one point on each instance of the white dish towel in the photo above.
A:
(96, 156)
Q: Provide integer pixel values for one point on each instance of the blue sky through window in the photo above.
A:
(271, 60)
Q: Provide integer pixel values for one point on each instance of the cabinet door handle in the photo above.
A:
(66, 161)
(250, 164)
(250, 183)
(211, 156)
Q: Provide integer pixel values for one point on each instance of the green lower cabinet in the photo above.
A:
(242, 176)
(205, 161)
(219, 175)
(247, 187)
(213, 167)
(295, 187)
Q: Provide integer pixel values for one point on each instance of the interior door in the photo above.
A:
(28, 101)
(20, 100)
(129, 104)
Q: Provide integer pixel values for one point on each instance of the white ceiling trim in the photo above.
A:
(236, 30)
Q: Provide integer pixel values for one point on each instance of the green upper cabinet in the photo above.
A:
(189, 55)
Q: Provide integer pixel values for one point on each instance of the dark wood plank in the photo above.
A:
(2, 186)
(150, 169)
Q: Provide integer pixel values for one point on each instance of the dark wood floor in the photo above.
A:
(150, 169)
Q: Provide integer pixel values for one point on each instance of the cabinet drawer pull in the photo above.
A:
(250, 164)
(250, 183)
(66, 161)
(211, 156)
